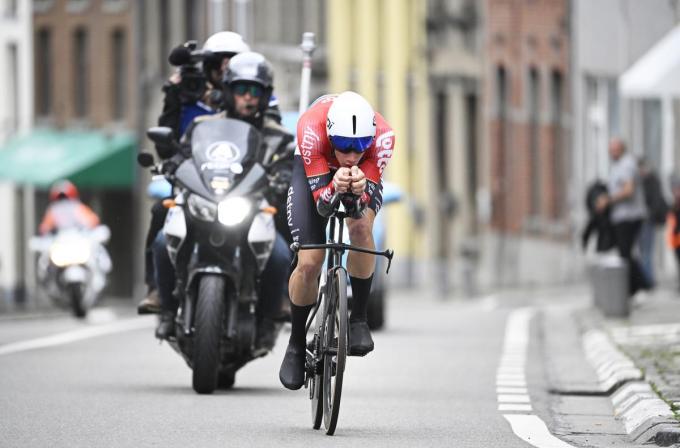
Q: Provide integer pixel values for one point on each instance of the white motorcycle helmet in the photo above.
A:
(225, 42)
(221, 45)
(350, 123)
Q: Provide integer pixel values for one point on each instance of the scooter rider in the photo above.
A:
(247, 86)
(66, 210)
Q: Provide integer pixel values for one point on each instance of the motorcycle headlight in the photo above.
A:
(233, 211)
(62, 254)
(201, 208)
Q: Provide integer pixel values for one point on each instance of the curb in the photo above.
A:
(646, 418)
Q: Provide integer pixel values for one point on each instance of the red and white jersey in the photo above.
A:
(318, 155)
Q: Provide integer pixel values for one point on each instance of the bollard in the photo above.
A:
(609, 283)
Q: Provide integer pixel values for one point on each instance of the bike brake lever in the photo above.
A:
(388, 254)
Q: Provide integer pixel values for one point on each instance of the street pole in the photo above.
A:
(308, 48)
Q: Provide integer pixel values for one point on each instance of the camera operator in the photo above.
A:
(191, 92)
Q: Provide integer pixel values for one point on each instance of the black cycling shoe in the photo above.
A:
(166, 327)
(292, 373)
(360, 341)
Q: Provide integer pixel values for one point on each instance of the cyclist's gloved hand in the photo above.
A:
(355, 205)
(328, 201)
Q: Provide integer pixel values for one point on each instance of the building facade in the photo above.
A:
(16, 118)
(455, 73)
(526, 124)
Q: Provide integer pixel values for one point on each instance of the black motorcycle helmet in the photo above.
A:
(248, 67)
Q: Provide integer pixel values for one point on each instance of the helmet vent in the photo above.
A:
(354, 124)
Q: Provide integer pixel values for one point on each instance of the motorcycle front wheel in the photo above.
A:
(75, 292)
(208, 329)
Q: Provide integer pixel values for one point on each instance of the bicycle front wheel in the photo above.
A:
(313, 357)
(335, 355)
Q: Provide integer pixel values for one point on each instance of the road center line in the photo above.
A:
(78, 335)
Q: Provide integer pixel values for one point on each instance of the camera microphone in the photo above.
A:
(180, 56)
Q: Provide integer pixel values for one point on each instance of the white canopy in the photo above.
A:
(657, 72)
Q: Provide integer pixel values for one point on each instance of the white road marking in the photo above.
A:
(507, 398)
(511, 390)
(514, 407)
(68, 337)
(511, 385)
(532, 430)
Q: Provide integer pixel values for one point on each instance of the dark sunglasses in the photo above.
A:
(253, 89)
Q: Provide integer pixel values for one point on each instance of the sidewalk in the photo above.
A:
(633, 362)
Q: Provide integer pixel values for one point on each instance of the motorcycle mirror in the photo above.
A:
(101, 233)
(145, 159)
(160, 135)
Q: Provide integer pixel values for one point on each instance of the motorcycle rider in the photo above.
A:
(247, 87)
(177, 114)
(66, 210)
(343, 147)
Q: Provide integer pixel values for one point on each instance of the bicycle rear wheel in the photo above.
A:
(313, 364)
(335, 355)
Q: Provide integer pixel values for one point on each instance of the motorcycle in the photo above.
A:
(73, 265)
(219, 234)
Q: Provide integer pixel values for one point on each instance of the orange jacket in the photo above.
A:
(68, 213)
(672, 237)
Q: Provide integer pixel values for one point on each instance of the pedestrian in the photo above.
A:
(657, 211)
(628, 210)
(673, 221)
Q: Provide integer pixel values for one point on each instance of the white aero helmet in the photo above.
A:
(226, 42)
(350, 123)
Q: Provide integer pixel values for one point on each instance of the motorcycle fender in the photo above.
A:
(74, 274)
(261, 238)
(175, 223)
(195, 274)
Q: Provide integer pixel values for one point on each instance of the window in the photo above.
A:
(500, 172)
(13, 88)
(558, 162)
(534, 144)
(81, 73)
(43, 72)
(118, 43)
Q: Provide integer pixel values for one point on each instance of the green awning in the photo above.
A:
(88, 159)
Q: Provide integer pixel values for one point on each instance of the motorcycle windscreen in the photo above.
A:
(222, 149)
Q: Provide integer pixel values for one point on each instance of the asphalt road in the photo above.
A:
(430, 382)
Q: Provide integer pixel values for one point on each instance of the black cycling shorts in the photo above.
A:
(306, 225)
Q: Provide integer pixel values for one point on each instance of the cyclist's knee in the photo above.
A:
(309, 264)
(360, 231)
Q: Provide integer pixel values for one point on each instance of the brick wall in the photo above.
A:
(99, 19)
(523, 35)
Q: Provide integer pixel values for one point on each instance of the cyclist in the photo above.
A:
(343, 147)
